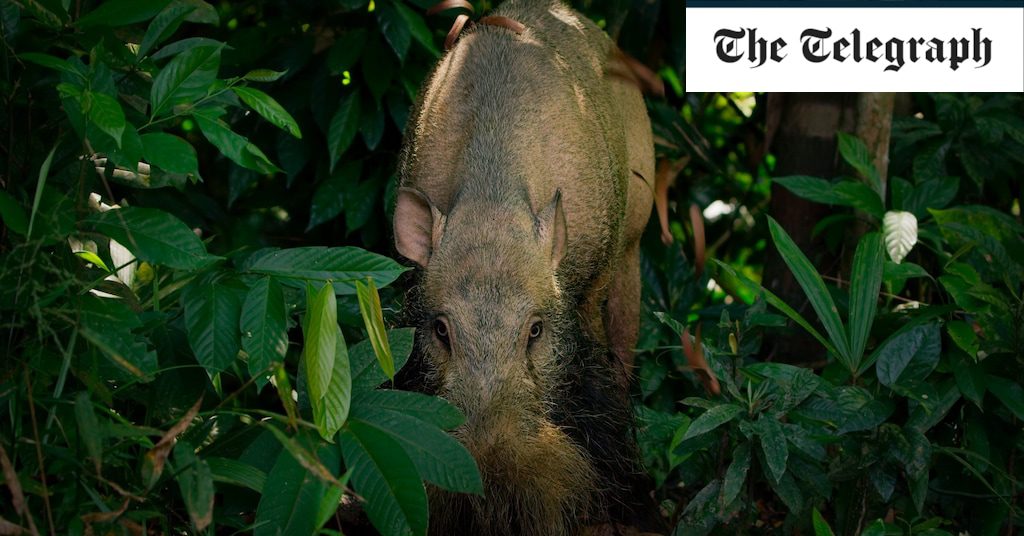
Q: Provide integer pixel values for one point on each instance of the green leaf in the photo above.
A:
(735, 475)
(812, 188)
(789, 491)
(343, 128)
(821, 527)
(857, 155)
(212, 311)
(876, 528)
(321, 343)
(970, 379)
(264, 325)
(711, 419)
(964, 336)
(438, 457)
(373, 318)
(153, 236)
(902, 271)
(196, 483)
(418, 28)
(89, 430)
(50, 62)
(395, 29)
(431, 409)
(290, 502)
(865, 283)
(12, 213)
(332, 412)
(1009, 393)
(106, 113)
(185, 78)
(186, 44)
(341, 266)
(163, 26)
(860, 196)
(777, 302)
(121, 13)
(931, 194)
(263, 75)
(909, 357)
(169, 153)
(236, 473)
(44, 172)
(383, 474)
(329, 198)
(773, 445)
(232, 145)
(814, 288)
(366, 373)
(269, 109)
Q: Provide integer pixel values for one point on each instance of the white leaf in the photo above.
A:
(900, 230)
(123, 263)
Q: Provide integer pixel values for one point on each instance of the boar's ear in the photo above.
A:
(418, 226)
(551, 227)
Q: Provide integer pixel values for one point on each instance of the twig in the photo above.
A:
(39, 452)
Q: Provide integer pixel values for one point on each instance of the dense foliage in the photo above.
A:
(198, 301)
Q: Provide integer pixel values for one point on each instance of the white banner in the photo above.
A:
(854, 49)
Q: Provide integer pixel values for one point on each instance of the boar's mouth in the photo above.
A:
(539, 483)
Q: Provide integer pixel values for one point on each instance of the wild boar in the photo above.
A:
(524, 188)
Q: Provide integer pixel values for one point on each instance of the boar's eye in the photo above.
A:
(536, 329)
(441, 330)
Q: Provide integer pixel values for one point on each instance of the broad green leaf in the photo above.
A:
(777, 302)
(909, 357)
(13, 214)
(366, 372)
(903, 270)
(50, 62)
(153, 236)
(438, 457)
(812, 188)
(264, 325)
(711, 419)
(876, 528)
(186, 44)
(931, 194)
(321, 344)
(373, 318)
(331, 500)
(164, 25)
(814, 288)
(1009, 393)
(185, 78)
(736, 474)
(395, 29)
(236, 473)
(865, 283)
(857, 155)
(332, 412)
(263, 75)
(231, 144)
(964, 336)
(342, 266)
(89, 430)
(291, 498)
(107, 324)
(418, 28)
(431, 409)
(212, 311)
(329, 198)
(900, 230)
(106, 113)
(970, 379)
(170, 153)
(121, 13)
(343, 128)
(196, 483)
(269, 109)
(860, 196)
(383, 474)
(789, 491)
(821, 527)
(773, 445)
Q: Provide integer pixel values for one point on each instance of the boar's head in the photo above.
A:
(491, 321)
